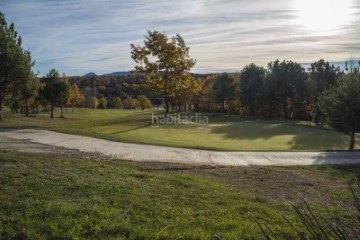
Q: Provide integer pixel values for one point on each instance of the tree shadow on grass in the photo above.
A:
(328, 141)
(132, 129)
(256, 129)
(302, 137)
(136, 119)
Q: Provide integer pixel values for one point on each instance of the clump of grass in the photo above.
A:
(316, 226)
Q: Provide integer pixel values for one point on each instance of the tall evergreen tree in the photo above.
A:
(15, 63)
(251, 81)
(64, 91)
(290, 83)
(223, 90)
(55, 90)
(322, 76)
(341, 106)
(29, 90)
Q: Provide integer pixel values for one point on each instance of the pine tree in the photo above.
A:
(223, 90)
(55, 90)
(15, 63)
(251, 81)
(341, 106)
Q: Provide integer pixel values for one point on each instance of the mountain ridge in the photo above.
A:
(121, 73)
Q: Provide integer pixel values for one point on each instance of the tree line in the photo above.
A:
(283, 90)
(56, 90)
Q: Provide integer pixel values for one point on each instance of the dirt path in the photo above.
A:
(33, 140)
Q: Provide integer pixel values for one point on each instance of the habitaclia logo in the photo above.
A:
(177, 118)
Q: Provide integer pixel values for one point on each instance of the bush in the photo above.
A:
(143, 102)
(15, 105)
(103, 103)
(94, 102)
(129, 103)
(118, 103)
(316, 226)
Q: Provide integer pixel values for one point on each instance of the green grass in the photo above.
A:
(61, 197)
(225, 132)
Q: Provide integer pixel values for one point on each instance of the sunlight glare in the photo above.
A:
(323, 17)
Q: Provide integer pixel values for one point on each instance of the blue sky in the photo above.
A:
(80, 36)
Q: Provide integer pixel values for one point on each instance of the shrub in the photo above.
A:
(94, 102)
(143, 102)
(103, 103)
(118, 103)
(129, 103)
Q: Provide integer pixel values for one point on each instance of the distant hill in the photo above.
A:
(90, 74)
(118, 74)
(124, 73)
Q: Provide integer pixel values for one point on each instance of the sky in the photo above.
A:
(81, 36)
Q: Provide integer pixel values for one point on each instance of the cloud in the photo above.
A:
(79, 36)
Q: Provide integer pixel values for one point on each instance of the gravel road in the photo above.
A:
(34, 140)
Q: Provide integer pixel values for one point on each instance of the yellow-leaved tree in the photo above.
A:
(165, 64)
(117, 102)
(94, 102)
(75, 98)
(143, 102)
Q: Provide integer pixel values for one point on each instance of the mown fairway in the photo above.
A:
(62, 197)
(225, 132)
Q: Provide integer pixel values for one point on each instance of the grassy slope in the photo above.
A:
(223, 133)
(57, 197)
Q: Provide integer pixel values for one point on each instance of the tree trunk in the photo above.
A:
(1, 109)
(1, 104)
(73, 107)
(352, 141)
(286, 116)
(51, 111)
(223, 102)
(167, 105)
(62, 111)
(271, 105)
(26, 108)
(251, 110)
(2, 95)
(317, 116)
